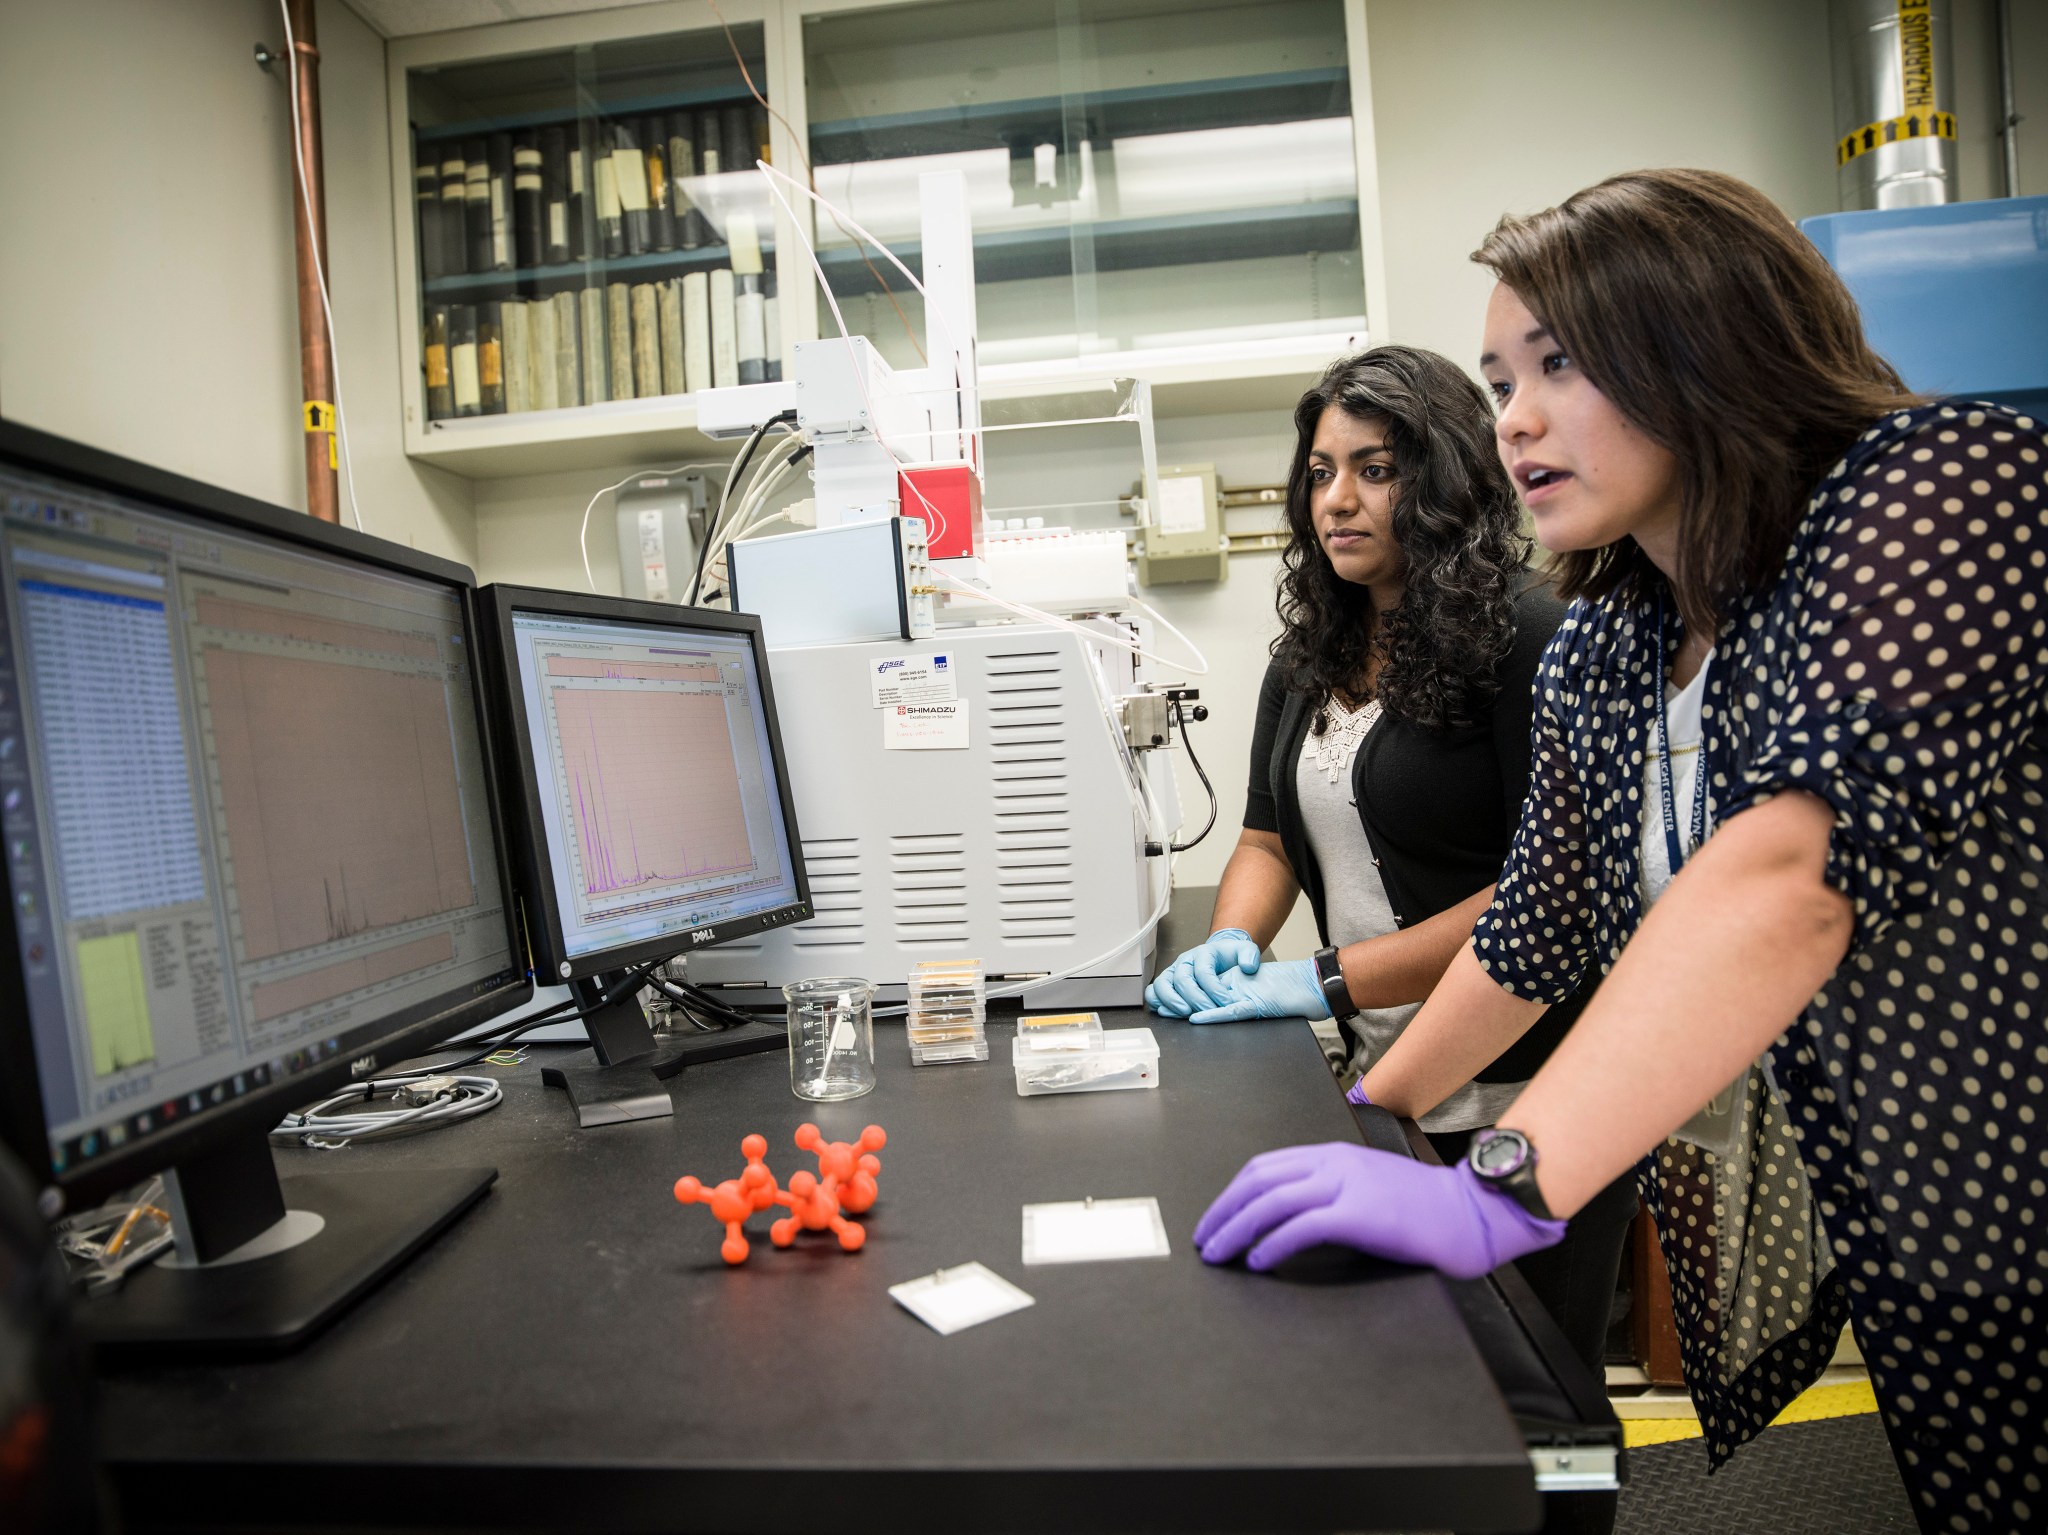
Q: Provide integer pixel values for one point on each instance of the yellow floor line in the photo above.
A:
(1820, 1402)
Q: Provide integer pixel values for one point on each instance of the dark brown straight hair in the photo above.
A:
(1716, 327)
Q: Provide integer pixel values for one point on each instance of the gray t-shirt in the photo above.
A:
(1356, 906)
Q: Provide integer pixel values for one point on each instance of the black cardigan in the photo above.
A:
(1438, 807)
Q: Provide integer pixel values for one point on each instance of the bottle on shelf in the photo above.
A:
(434, 362)
(691, 230)
(462, 368)
(661, 214)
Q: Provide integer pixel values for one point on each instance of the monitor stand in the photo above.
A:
(629, 1080)
(263, 1263)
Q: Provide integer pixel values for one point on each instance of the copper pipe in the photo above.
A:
(309, 230)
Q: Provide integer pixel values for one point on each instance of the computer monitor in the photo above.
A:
(253, 852)
(644, 753)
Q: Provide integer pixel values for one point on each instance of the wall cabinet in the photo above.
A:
(1175, 189)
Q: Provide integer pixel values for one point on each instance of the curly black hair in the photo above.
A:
(1457, 521)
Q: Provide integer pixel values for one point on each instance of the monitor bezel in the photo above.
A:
(553, 963)
(22, 1123)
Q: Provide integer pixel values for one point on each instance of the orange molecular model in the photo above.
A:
(844, 1182)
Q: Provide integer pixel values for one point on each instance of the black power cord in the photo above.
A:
(1175, 703)
(495, 1041)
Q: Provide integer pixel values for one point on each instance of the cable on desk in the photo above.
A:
(496, 1040)
(417, 1104)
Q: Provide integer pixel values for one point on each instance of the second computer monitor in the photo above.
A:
(658, 817)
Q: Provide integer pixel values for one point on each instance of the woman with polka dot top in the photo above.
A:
(1829, 918)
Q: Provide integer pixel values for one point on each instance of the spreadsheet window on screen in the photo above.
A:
(657, 799)
(246, 814)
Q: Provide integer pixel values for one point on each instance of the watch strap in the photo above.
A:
(1336, 992)
(1518, 1182)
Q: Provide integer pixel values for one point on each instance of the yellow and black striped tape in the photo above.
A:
(1893, 130)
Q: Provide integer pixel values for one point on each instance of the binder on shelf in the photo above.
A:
(629, 176)
(618, 311)
(772, 322)
(517, 345)
(646, 341)
(554, 196)
(691, 230)
(434, 363)
(669, 299)
(490, 365)
(611, 218)
(661, 216)
(758, 116)
(736, 148)
(462, 368)
(426, 211)
(454, 210)
(568, 351)
(528, 238)
(540, 355)
(696, 288)
(750, 328)
(476, 199)
(725, 358)
(583, 235)
(708, 161)
(499, 154)
(597, 373)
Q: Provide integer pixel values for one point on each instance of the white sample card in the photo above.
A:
(913, 679)
(925, 727)
(1183, 504)
(959, 1297)
(1094, 1231)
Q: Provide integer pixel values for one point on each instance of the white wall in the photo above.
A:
(148, 299)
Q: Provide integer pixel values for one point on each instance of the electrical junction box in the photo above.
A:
(948, 498)
(660, 518)
(1185, 540)
(856, 581)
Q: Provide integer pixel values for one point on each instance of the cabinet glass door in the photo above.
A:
(590, 226)
(1145, 176)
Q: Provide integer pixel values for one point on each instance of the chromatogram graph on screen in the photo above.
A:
(339, 786)
(651, 791)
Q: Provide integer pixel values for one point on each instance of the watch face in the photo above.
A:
(1500, 1155)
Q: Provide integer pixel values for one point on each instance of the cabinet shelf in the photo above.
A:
(569, 117)
(465, 286)
(1126, 112)
(1292, 229)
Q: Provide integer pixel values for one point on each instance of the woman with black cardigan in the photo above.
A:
(1391, 755)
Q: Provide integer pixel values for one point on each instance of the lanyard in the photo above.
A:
(1674, 850)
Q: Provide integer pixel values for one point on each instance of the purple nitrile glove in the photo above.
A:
(1287, 989)
(1285, 1201)
(1190, 983)
(1355, 1093)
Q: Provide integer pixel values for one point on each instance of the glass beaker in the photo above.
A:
(831, 1037)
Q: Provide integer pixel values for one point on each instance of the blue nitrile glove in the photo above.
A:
(1391, 1206)
(1282, 990)
(1189, 984)
(1355, 1093)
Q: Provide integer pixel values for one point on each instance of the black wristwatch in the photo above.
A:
(1506, 1160)
(1336, 994)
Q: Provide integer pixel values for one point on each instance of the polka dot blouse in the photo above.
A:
(1893, 1163)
